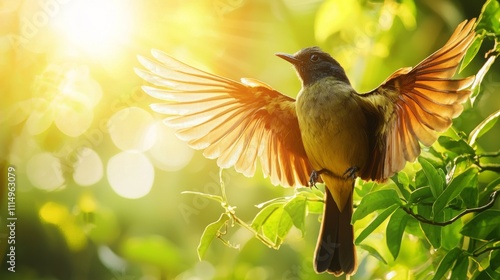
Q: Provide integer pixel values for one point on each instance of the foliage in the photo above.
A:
(429, 202)
(99, 178)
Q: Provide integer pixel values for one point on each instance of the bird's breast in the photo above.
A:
(333, 126)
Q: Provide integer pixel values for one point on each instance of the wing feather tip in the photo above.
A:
(162, 67)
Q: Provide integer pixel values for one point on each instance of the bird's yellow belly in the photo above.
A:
(333, 131)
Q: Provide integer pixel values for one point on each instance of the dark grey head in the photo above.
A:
(313, 64)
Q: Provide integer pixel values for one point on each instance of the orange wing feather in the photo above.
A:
(237, 123)
(415, 103)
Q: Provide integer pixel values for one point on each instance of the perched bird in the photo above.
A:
(330, 133)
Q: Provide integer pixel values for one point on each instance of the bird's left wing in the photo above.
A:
(237, 123)
(413, 104)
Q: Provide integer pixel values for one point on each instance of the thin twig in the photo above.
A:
(230, 211)
(422, 219)
(222, 186)
(490, 167)
(259, 236)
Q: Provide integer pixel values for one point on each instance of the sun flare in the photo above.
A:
(95, 26)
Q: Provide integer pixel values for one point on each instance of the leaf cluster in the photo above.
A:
(440, 199)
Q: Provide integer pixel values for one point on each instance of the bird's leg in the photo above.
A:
(313, 179)
(351, 172)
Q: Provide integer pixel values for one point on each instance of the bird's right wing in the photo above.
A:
(415, 103)
(237, 123)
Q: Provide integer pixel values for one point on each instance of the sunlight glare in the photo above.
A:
(391, 275)
(169, 153)
(95, 26)
(132, 128)
(44, 171)
(88, 167)
(130, 174)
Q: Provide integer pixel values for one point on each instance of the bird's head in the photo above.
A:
(313, 64)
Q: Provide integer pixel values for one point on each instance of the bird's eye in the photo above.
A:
(314, 58)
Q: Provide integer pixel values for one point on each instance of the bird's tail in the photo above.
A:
(335, 251)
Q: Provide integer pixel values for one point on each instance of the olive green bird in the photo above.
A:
(330, 133)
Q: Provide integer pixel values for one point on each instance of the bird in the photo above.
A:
(330, 133)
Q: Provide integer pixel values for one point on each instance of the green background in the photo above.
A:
(67, 229)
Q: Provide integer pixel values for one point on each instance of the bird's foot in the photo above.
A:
(313, 179)
(350, 173)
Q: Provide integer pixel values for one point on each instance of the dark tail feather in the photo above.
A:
(335, 251)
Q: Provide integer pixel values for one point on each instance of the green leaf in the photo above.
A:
(402, 182)
(403, 179)
(470, 197)
(317, 193)
(431, 232)
(450, 234)
(285, 224)
(310, 193)
(458, 147)
(483, 127)
(420, 180)
(464, 179)
(277, 226)
(274, 222)
(395, 230)
(276, 200)
(210, 233)
(420, 194)
(487, 274)
(471, 52)
(446, 263)
(296, 209)
(313, 200)
(495, 260)
(490, 13)
(491, 186)
(435, 181)
(365, 188)
(209, 196)
(315, 207)
(375, 223)
(484, 226)
(264, 214)
(373, 252)
(434, 157)
(374, 201)
(460, 267)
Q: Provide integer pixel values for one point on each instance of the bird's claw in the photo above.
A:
(313, 179)
(351, 173)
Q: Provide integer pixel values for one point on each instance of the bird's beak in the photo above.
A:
(288, 57)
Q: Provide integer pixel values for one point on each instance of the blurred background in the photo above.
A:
(99, 178)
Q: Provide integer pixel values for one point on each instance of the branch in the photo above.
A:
(422, 219)
(490, 167)
(230, 211)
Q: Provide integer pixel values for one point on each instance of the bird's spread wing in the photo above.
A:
(237, 123)
(415, 103)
